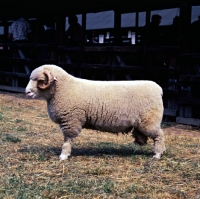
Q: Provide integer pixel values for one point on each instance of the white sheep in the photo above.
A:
(113, 106)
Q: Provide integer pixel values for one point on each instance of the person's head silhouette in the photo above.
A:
(156, 19)
(72, 19)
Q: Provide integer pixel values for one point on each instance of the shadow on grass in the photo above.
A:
(100, 149)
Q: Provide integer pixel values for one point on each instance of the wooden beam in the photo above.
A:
(13, 89)
(189, 78)
(170, 93)
(136, 27)
(185, 21)
(189, 101)
(117, 26)
(188, 121)
(14, 74)
(170, 112)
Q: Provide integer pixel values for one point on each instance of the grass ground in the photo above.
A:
(102, 165)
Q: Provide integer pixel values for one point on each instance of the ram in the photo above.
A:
(111, 106)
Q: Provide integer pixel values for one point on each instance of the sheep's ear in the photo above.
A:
(47, 81)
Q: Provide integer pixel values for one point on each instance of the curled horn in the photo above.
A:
(47, 81)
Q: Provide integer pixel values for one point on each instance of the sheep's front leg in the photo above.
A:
(66, 149)
(70, 130)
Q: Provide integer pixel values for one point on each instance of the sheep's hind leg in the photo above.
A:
(159, 144)
(140, 138)
(66, 149)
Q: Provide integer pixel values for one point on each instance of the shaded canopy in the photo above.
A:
(32, 8)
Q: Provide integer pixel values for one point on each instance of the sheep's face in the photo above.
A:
(40, 83)
(31, 89)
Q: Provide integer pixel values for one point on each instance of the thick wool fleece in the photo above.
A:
(113, 106)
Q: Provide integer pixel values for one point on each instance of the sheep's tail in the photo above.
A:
(161, 92)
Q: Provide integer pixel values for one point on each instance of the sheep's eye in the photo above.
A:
(33, 79)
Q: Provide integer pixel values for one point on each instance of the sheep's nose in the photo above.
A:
(27, 92)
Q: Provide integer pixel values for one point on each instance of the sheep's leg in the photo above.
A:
(159, 144)
(140, 138)
(157, 135)
(66, 149)
(69, 132)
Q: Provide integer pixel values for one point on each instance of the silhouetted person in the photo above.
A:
(92, 38)
(50, 32)
(195, 36)
(174, 32)
(74, 34)
(172, 39)
(195, 44)
(154, 36)
(39, 31)
(20, 30)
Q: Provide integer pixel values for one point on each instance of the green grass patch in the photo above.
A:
(1, 116)
(21, 128)
(18, 121)
(10, 138)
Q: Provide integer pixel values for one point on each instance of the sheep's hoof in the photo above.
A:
(157, 156)
(63, 156)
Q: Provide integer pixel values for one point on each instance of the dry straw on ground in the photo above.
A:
(102, 165)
